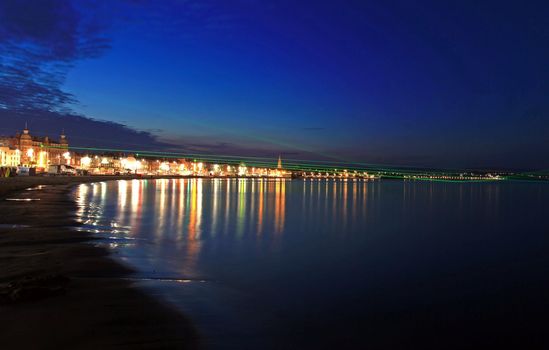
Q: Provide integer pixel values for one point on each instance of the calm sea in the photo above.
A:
(314, 264)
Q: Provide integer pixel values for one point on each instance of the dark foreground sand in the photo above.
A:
(98, 308)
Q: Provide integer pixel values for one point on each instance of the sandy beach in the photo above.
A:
(60, 291)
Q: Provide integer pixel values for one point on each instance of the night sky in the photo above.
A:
(420, 83)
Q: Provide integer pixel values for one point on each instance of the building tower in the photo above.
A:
(25, 139)
(63, 139)
(279, 165)
(62, 151)
(24, 144)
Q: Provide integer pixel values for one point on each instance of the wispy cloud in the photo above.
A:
(40, 41)
(82, 131)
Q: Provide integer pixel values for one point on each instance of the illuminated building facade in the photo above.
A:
(25, 149)
(9, 157)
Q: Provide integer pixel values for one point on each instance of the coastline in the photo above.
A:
(98, 308)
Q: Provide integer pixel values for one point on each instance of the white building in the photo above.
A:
(9, 157)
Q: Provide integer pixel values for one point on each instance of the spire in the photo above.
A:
(63, 138)
(279, 165)
(26, 130)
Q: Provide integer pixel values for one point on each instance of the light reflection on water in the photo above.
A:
(176, 206)
(284, 259)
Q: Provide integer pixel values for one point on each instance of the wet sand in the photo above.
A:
(98, 308)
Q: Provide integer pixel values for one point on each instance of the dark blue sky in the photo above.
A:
(427, 83)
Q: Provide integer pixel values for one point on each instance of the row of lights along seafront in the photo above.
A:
(47, 156)
(42, 154)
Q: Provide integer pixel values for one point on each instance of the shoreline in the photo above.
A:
(98, 307)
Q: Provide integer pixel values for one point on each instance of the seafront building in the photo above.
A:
(24, 149)
(9, 157)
